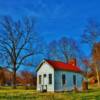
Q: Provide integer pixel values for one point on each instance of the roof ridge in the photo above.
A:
(63, 66)
(56, 61)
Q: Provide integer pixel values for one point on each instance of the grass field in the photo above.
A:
(6, 93)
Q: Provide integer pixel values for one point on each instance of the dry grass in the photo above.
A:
(6, 93)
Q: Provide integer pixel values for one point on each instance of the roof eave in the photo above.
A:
(38, 67)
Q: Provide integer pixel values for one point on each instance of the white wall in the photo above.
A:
(45, 69)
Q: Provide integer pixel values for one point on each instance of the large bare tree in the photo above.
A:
(17, 42)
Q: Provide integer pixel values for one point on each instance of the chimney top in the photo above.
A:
(72, 62)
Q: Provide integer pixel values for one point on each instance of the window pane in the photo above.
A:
(63, 79)
(50, 78)
(44, 75)
(74, 79)
(39, 79)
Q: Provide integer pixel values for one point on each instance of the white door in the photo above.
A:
(44, 82)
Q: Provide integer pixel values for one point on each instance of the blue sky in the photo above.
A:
(54, 18)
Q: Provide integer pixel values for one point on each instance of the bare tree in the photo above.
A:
(96, 60)
(91, 33)
(68, 47)
(17, 42)
(63, 49)
(90, 37)
(53, 50)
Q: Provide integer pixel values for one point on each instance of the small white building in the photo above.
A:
(58, 76)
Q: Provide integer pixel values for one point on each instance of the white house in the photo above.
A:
(58, 76)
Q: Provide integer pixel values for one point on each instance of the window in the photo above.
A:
(63, 79)
(44, 75)
(50, 78)
(74, 79)
(39, 79)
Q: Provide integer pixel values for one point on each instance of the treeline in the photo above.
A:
(25, 78)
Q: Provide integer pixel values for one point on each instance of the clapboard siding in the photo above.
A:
(69, 80)
(46, 68)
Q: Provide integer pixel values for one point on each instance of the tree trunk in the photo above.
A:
(14, 79)
(66, 57)
(97, 74)
(85, 85)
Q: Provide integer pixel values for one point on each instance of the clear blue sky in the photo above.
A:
(54, 18)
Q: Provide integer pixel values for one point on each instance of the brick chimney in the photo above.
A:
(72, 62)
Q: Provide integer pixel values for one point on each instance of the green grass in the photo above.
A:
(7, 93)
